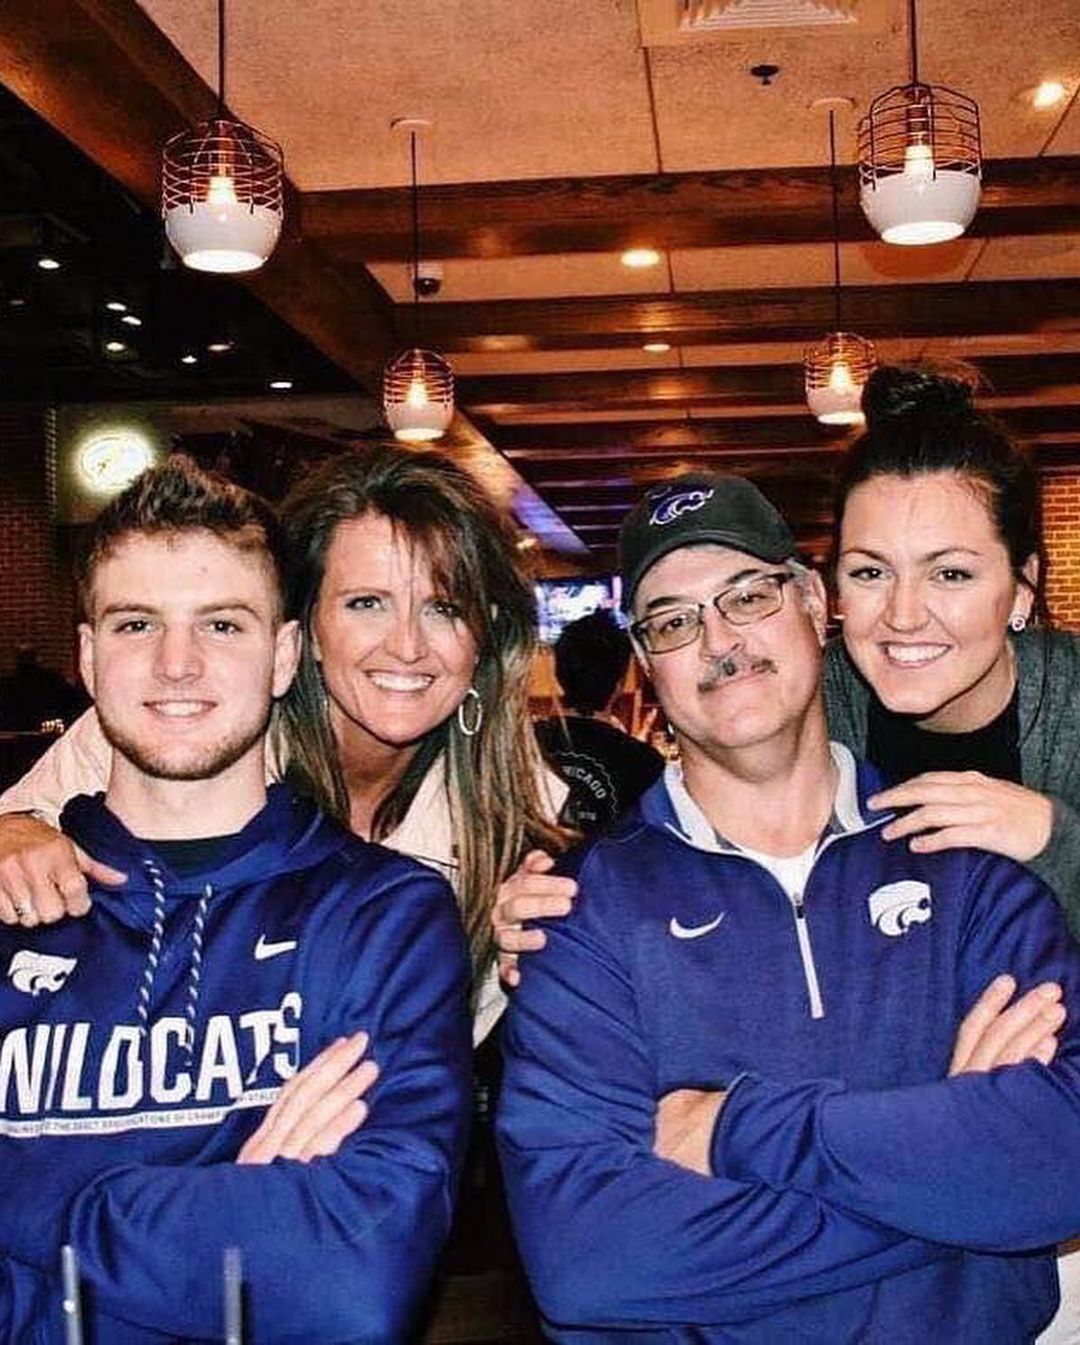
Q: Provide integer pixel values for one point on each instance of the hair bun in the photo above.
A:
(905, 392)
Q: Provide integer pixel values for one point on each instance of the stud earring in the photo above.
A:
(1017, 622)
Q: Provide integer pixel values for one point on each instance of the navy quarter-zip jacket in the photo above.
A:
(858, 1194)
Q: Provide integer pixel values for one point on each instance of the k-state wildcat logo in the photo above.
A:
(681, 502)
(33, 973)
(897, 907)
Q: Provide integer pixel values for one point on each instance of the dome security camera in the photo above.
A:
(429, 279)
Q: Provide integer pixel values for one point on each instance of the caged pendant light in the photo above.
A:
(221, 196)
(836, 368)
(418, 385)
(920, 159)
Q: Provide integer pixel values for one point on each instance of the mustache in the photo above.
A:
(732, 665)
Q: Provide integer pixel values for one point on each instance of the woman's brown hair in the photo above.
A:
(493, 777)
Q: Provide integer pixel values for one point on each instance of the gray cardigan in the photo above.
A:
(1048, 674)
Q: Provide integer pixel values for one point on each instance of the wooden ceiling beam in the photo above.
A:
(741, 316)
(582, 474)
(670, 210)
(1054, 379)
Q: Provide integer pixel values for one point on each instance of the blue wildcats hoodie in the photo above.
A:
(857, 1193)
(140, 1047)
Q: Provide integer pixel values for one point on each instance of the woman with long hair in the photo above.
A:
(408, 719)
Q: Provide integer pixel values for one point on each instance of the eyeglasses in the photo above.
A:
(740, 605)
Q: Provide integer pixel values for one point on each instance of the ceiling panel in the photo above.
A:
(555, 88)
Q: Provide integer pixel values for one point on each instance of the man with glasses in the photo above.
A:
(768, 1080)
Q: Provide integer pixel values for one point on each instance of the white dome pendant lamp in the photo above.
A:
(221, 193)
(920, 159)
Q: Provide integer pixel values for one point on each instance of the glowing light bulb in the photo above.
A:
(1048, 94)
(840, 379)
(416, 397)
(222, 191)
(919, 161)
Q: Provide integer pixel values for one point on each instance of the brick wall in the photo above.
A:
(1061, 525)
(36, 597)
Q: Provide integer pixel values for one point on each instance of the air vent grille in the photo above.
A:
(712, 16)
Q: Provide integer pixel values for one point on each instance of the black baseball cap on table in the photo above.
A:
(694, 508)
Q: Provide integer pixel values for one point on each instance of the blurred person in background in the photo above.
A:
(32, 695)
(604, 766)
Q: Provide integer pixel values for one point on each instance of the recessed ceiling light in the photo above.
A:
(115, 347)
(115, 306)
(131, 320)
(281, 384)
(48, 264)
(657, 347)
(189, 359)
(219, 347)
(638, 258)
(1048, 94)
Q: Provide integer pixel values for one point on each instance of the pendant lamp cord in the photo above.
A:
(835, 218)
(415, 239)
(913, 39)
(221, 59)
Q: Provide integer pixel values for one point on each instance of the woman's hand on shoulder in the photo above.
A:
(957, 808)
(532, 892)
(43, 874)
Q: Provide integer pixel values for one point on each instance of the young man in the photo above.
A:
(742, 1100)
(254, 950)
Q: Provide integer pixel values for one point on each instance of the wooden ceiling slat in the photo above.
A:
(971, 308)
(671, 210)
(1044, 376)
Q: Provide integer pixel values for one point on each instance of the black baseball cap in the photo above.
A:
(694, 508)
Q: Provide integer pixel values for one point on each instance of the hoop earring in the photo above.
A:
(1017, 622)
(469, 721)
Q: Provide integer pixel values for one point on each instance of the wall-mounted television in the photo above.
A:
(560, 601)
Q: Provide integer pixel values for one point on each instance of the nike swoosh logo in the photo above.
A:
(680, 931)
(263, 949)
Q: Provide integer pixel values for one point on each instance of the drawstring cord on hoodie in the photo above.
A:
(157, 935)
(195, 976)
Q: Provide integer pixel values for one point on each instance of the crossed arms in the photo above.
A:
(814, 1188)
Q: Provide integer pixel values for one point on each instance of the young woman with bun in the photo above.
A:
(948, 676)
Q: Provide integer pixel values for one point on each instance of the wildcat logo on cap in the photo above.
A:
(681, 502)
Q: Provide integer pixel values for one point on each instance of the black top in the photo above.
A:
(605, 768)
(191, 856)
(902, 749)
